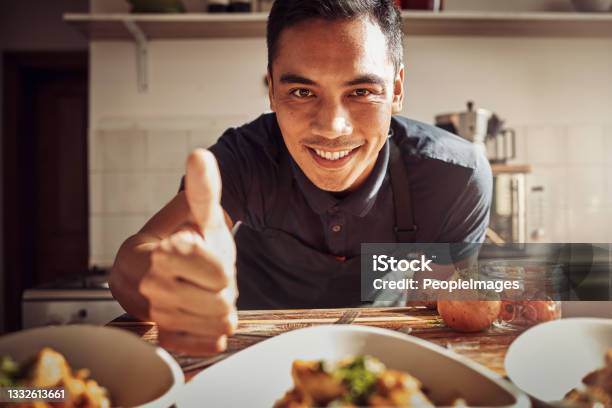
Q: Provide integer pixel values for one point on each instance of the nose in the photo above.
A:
(331, 121)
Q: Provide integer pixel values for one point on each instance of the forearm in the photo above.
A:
(131, 264)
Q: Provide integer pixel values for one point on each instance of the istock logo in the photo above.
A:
(385, 263)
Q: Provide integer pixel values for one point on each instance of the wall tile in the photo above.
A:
(119, 228)
(607, 170)
(551, 221)
(96, 237)
(123, 150)
(546, 145)
(114, 230)
(167, 149)
(607, 138)
(163, 189)
(604, 223)
(107, 233)
(588, 224)
(126, 193)
(203, 138)
(95, 150)
(226, 121)
(95, 192)
(554, 181)
(521, 145)
(586, 186)
(585, 144)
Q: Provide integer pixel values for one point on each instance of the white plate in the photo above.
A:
(134, 372)
(261, 374)
(550, 359)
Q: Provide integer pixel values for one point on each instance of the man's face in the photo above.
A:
(334, 89)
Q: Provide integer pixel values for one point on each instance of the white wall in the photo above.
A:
(509, 5)
(33, 25)
(557, 93)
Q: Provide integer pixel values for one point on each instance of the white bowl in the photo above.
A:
(134, 372)
(592, 5)
(550, 359)
(261, 374)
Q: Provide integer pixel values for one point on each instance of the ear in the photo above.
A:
(398, 90)
(270, 91)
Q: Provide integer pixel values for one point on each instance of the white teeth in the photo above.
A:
(332, 155)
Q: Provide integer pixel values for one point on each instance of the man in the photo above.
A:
(328, 170)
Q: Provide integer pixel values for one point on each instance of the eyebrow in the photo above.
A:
(290, 78)
(367, 79)
(296, 79)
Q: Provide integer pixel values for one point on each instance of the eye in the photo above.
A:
(361, 92)
(302, 93)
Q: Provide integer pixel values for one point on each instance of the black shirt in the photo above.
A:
(450, 185)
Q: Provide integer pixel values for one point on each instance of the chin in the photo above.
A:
(333, 186)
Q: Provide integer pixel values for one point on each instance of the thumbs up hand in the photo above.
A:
(191, 281)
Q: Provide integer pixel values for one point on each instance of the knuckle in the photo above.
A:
(229, 296)
(223, 305)
(228, 324)
(163, 320)
(183, 242)
(220, 344)
(225, 326)
(211, 346)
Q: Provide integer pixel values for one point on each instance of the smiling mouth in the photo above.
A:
(332, 159)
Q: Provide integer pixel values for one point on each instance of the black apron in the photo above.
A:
(277, 271)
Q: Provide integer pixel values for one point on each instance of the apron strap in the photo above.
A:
(283, 193)
(405, 228)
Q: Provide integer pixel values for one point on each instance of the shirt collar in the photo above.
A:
(358, 202)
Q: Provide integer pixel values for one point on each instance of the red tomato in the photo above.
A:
(469, 315)
(508, 310)
(538, 311)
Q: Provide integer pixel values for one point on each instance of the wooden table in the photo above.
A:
(487, 348)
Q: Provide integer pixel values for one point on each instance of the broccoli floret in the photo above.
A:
(360, 377)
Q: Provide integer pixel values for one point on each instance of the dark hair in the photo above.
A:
(288, 13)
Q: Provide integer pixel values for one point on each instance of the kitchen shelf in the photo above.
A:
(170, 26)
(510, 168)
(143, 28)
(446, 23)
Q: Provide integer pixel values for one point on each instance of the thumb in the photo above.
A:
(203, 189)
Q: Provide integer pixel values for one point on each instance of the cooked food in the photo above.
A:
(352, 382)
(596, 389)
(49, 369)
(469, 315)
(8, 371)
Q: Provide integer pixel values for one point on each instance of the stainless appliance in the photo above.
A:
(508, 219)
(483, 128)
(80, 300)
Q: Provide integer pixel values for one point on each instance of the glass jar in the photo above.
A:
(535, 296)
